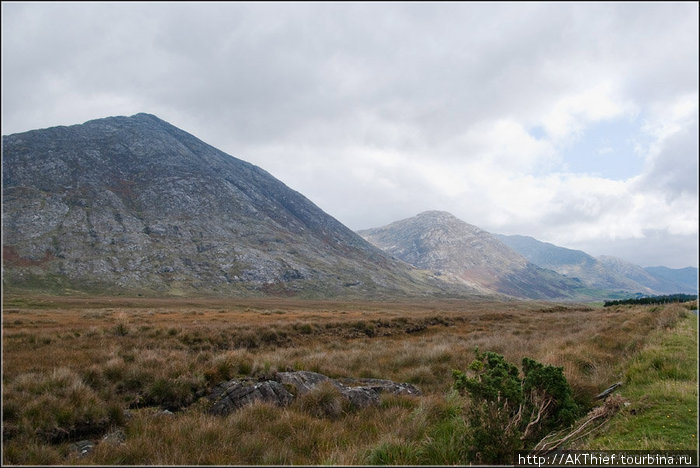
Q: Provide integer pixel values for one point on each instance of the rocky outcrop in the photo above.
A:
(284, 387)
(235, 394)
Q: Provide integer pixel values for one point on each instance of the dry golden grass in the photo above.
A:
(92, 358)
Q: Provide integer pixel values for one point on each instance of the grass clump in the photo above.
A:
(172, 394)
(435, 433)
(56, 407)
(325, 401)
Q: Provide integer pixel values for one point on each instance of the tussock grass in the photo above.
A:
(54, 407)
(326, 401)
(102, 363)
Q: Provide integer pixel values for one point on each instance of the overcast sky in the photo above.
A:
(574, 123)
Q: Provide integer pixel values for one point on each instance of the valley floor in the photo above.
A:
(103, 370)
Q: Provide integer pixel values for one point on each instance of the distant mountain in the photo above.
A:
(605, 272)
(632, 272)
(463, 253)
(134, 204)
(685, 280)
(545, 254)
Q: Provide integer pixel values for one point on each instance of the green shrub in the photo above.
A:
(547, 383)
(508, 413)
(495, 379)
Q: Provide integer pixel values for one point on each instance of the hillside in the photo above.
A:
(134, 204)
(686, 279)
(605, 272)
(463, 253)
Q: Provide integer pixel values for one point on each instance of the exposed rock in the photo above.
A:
(302, 381)
(388, 386)
(115, 437)
(361, 393)
(235, 394)
(83, 447)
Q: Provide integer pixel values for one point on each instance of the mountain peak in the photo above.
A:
(435, 220)
(135, 203)
(436, 214)
(440, 242)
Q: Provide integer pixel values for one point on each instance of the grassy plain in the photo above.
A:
(78, 368)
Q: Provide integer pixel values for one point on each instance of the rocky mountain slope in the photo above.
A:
(134, 204)
(462, 253)
(605, 272)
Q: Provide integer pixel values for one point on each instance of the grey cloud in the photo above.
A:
(656, 248)
(674, 170)
(265, 68)
(286, 86)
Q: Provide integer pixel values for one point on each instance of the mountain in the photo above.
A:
(605, 272)
(685, 280)
(632, 272)
(464, 254)
(572, 263)
(545, 254)
(134, 204)
(657, 283)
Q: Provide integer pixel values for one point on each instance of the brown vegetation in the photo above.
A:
(75, 368)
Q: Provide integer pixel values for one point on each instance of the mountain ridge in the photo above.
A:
(135, 204)
(603, 272)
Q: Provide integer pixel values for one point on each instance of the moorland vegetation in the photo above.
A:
(107, 369)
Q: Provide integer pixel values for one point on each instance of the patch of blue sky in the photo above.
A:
(613, 149)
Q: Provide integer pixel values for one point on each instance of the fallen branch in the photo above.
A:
(604, 394)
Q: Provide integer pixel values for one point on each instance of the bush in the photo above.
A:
(495, 379)
(493, 438)
(545, 384)
(509, 413)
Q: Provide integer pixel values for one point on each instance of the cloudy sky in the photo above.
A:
(574, 123)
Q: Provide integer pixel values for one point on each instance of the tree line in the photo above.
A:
(654, 299)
